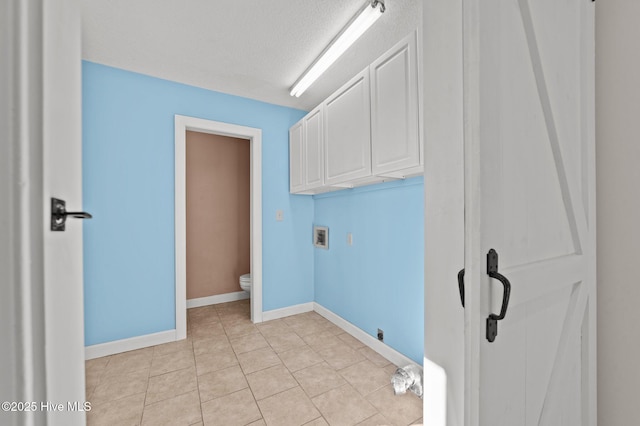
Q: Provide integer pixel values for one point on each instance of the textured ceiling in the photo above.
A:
(251, 48)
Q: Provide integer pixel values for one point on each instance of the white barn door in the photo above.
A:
(530, 196)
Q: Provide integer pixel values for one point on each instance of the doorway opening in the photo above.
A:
(254, 136)
(218, 211)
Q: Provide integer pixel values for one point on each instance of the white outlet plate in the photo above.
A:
(349, 238)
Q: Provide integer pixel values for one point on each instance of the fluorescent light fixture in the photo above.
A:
(361, 23)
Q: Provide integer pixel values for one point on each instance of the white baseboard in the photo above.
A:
(130, 344)
(386, 351)
(218, 298)
(288, 311)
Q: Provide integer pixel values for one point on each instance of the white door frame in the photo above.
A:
(23, 357)
(40, 122)
(182, 124)
(443, 133)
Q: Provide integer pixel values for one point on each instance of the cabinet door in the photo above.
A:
(313, 149)
(395, 138)
(347, 120)
(296, 157)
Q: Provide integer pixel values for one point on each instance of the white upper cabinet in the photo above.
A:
(367, 132)
(313, 141)
(296, 157)
(347, 138)
(395, 135)
(306, 171)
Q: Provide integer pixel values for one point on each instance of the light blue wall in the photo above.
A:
(378, 281)
(128, 185)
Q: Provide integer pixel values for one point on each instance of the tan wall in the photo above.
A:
(218, 234)
(618, 209)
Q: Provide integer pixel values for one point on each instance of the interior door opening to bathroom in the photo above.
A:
(218, 219)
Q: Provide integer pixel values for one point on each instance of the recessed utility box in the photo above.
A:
(321, 237)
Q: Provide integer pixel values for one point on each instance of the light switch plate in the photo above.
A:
(349, 238)
(279, 215)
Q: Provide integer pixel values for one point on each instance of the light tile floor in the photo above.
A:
(299, 370)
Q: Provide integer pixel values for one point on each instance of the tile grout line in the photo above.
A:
(197, 384)
(297, 326)
(245, 378)
(329, 390)
(195, 367)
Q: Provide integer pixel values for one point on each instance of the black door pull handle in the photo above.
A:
(59, 214)
(461, 285)
(492, 271)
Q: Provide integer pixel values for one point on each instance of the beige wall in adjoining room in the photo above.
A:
(218, 207)
(618, 209)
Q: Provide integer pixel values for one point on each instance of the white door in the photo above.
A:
(529, 194)
(395, 137)
(313, 141)
(62, 173)
(42, 352)
(347, 132)
(296, 157)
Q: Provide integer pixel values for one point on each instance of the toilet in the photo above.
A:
(245, 282)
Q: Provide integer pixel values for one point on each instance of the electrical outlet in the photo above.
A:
(381, 335)
(349, 238)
